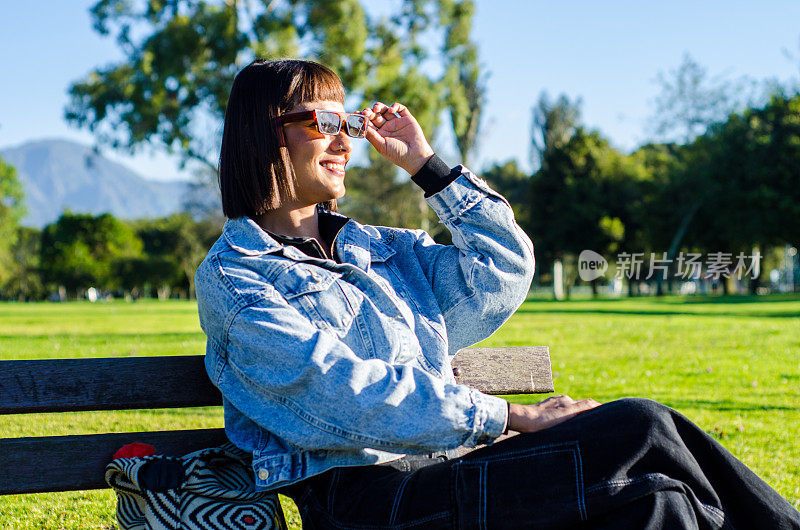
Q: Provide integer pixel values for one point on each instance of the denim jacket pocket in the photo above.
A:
(328, 301)
(303, 279)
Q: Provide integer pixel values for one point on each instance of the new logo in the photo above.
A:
(591, 265)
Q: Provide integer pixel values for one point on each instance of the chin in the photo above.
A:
(338, 193)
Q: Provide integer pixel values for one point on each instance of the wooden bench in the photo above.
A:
(67, 385)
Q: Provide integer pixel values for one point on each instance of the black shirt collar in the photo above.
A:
(329, 225)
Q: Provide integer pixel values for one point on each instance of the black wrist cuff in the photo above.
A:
(508, 416)
(434, 176)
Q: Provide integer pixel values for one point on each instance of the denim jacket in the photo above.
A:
(324, 364)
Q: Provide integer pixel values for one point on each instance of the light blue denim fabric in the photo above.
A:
(324, 364)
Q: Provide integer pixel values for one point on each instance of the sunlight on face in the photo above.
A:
(319, 160)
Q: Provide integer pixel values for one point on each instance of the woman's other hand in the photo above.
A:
(396, 134)
(547, 413)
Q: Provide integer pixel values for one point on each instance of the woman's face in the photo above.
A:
(319, 160)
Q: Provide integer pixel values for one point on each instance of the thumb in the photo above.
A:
(374, 138)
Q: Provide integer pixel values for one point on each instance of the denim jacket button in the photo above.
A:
(263, 474)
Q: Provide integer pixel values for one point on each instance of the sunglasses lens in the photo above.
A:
(328, 122)
(356, 126)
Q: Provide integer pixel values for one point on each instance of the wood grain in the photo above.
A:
(64, 385)
(510, 370)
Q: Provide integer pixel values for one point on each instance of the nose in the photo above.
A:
(341, 143)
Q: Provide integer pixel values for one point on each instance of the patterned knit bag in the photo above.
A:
(210, 489)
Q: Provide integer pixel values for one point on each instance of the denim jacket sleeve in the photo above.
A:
(490, 263)
(309, 388)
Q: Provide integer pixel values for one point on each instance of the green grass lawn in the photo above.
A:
(729, 364)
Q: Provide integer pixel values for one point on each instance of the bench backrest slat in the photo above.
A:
(62, 385)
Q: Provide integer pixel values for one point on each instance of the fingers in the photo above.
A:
(569, 403)
(559, 400)
(379, 114)
(586, 404)
(399, 110)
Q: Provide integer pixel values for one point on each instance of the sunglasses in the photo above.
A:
(330, 122)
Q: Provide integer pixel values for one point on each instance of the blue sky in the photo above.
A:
(608, 53)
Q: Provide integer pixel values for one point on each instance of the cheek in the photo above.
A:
(300, 159)
(304, 153)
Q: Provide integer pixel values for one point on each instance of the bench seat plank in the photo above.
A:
(66, 463)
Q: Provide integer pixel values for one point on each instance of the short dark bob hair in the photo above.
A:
(255, 172)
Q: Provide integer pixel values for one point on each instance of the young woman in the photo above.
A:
(331, 342)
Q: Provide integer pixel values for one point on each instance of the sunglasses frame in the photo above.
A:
(312, 115)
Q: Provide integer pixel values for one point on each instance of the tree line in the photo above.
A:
(733, 190)
(148, 257)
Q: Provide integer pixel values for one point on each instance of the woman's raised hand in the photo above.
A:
(395, 134)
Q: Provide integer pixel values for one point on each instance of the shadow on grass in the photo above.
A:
(661, 312)
(672, 306)
(734, 299)
(678, 299)
(725, 404)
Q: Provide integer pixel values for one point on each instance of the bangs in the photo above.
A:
(314, 82)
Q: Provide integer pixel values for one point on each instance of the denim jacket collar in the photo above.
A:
(356, 244)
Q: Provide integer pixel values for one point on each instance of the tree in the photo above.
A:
(661, 202)
(732, 189)
(513, 184)
(11, 212)
(140, 275)
(749, 170)
(690, 101)
(465, 82)
(181, 57)
(78, 250)
(570, 207)
(554, 122)
(689, 104)
(174, 247)
(24, 282)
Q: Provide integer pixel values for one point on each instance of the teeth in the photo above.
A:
(333, 165)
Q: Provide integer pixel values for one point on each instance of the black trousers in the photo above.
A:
(628, 464)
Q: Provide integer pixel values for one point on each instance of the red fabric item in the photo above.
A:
(134, 450)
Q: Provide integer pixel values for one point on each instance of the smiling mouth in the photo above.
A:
(333, 167)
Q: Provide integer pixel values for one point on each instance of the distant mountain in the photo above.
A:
(59, 174)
